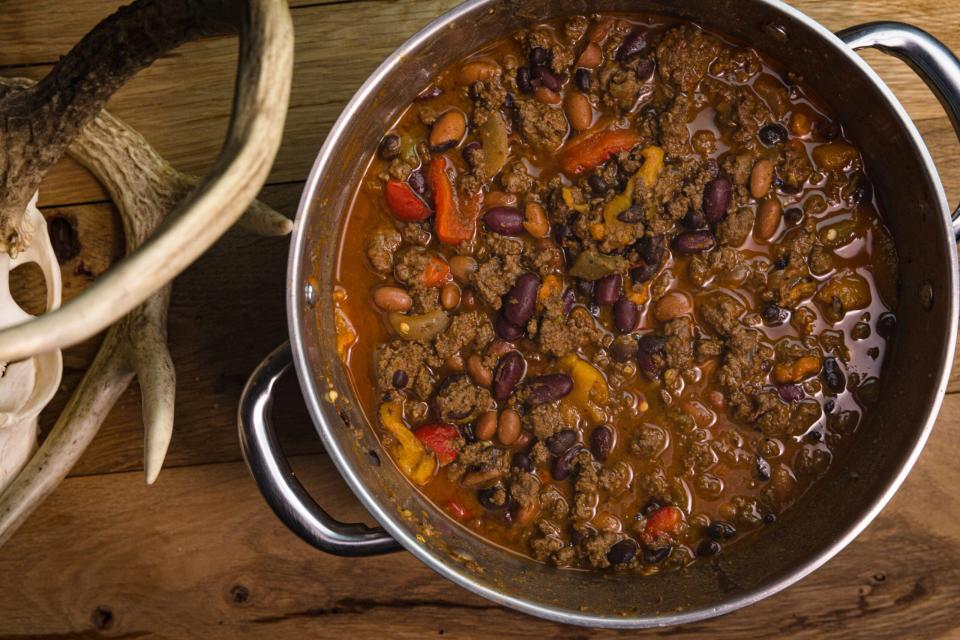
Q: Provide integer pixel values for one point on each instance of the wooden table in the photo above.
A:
(199, 553)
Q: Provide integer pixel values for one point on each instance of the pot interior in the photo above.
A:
(836, 507)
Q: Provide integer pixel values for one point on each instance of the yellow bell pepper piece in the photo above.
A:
(411, 456)
(649, 173)
(567, 194)
(652, 166)
(587, 381)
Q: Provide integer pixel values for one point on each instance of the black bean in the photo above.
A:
(769, 518)
(569, 299)
(508, 101)
(506, 330)
(633, 44)
(862, 190)
(473, 91)
(522, 461)
(585, 287)
(774, 315)
(524, 82)
(432, 92)
(815, 435)
(828, 129)
(790, 392)
(709, 548)
(507, 374)
(829, 406)
(652, 505)
(781, 263)
(582, 80)
(469, 436)
(793, 216)
(624, 349)
(694, 242)
(643, 271)
(694, 220)
(648, 365)
(418, 182)
(625, 315)
(608, 289)
(652, 249)
(644, 69)
(520, 303)
(469, 150)
(773, 134)
(560, 232)
(389, 147)
(547, 388)
(887, 325)
(598, 184)
(716, 199)
(507, 221)
(833, 376)
(623, 551)
(656, 556)
(652, 343)
(487, 495)
(400, 379)
(539, 56)
(564, 465)
(631, 215)
(601, 442)
(594, 309)
(721, 530)
(548, 79)
(763, 468)
(561, 441)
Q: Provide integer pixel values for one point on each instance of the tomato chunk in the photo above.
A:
(436, 272)
(591, 150)
(662, 523)
(452, 225)
(404, 203)
(457, 510)
(442, 439)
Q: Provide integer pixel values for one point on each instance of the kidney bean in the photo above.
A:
(561, 441)
(507, 374)
(563, 465)
(716, 199)
(761, 177)
(535, 220)
(773, 134)
(652, 248)
(485, 497)
(524, 81)
(547, 79)
(633, 44)
(579, 111)
(569, 299)
(643, 272)
(833, 376)
(400, 379)
(486, 426)
(721, 530)
(480, 374)
(672, 305)
(607, 289)
(462, 267)
(694, 220)
(508, 427)
(709, 548)
(769, 214)
(548, 388)
(694, 242)
(448, 130)
(625, 315)
(507, 221)
(601, 442)
(418, 183)
(498, 348)
(582, 79)
(790, 392)
(624, 349)
(522, 461)
(392, 299)
(450, 296)
(521, 301)
(644, 69)
(389, 147)
(623, 551)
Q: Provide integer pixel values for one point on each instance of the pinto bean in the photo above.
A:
(548, 388)
(761, 177)
(476, 71)
(591, 57)
(448, 130)
(450, 296)
(521, 301)
(716, 199)
(480, 374)
(547, 96)
(508, 427)
(507, 221)
(477, 478)
(769, 214)
(535, 221)
(797, 370)
(392, 299)
(507, 374)
(625, 315)
(608, 289)
(579, 111)
(462, 267)
(672, 305)
(499, 199)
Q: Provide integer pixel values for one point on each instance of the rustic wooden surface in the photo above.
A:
(200, 554)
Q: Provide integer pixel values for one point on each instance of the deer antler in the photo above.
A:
(38, 122)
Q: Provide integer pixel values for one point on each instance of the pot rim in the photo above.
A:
(296, 300)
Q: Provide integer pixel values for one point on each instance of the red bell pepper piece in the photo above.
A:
(661, 523)
(436, 272)
(591, 150)
(442, 439)
(452, 225)
(404, 203)
(457, 510)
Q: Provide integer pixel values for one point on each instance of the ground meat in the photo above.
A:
(593, 546)
(488, 96)
(795, 168)
(721, 312)
(575, 27)
(616, 479)
(547, 419)
(418, 233)
(678, 191)
(541, 125)
(738, 166)
(471, 329)
(561, 335)
(411, 264)
(684, 55)
(704, 267)
(381, 246)
(740, 111)
(679, 347)
(413, 359)
(649, 441)
(586, 487)
(524, 489)
(619, 87)
(674, 133)
(461, 401)
(515, 178)
(547, 546)
(554, 505)
(495, 277)
(561, 56)
(736, 227)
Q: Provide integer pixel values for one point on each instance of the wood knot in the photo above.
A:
(239, 594)
(64, 237)
(102, 617)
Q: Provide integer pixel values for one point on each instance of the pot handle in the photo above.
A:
(936, 65)
(276, 480)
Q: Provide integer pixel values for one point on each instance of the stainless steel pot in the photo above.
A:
(835, 510)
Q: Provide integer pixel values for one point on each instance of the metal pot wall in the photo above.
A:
(811, 532)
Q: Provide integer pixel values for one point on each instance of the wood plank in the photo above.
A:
(181, 104)
(200, 554)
